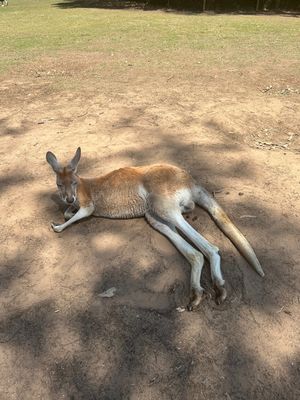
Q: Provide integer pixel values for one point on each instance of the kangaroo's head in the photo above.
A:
(66, 178)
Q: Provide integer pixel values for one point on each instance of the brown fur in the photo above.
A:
(116, 194)
(160, 192)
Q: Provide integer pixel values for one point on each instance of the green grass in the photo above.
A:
(33, 28)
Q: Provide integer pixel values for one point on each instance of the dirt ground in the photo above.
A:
(238, 134)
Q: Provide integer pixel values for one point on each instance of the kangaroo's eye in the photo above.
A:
(74, 183)
(59, 185)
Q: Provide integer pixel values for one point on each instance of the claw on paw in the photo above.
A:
(221, 294)
(196, 298)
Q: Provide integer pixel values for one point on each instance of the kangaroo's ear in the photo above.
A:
(51, 159)
(75, 160)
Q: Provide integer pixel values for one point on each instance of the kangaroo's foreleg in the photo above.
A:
(194, 257)
(83, 212)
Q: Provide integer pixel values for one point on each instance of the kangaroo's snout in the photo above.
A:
(70, 198)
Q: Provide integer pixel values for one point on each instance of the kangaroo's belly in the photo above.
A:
(116, 211)
(121, 203)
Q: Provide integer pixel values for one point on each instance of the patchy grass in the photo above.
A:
(41, 27)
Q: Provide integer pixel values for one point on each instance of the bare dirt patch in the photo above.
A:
(59, 339)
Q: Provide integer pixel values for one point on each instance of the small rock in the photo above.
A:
(109, 292)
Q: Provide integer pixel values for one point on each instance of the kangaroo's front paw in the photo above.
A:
(68, 215)
(56, 228)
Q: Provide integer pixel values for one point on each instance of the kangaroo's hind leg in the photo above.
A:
(209, 250)
(194, 257)
(170, 210)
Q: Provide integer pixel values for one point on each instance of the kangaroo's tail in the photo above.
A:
(208, 203)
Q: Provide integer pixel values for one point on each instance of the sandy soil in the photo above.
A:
(58, 338)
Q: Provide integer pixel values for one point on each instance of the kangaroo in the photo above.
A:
(160, 193)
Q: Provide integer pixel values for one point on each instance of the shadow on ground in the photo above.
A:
(6, 130)
(136, 345)
(188, 7)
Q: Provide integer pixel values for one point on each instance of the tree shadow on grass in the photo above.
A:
(102, 4)
(173, 6)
